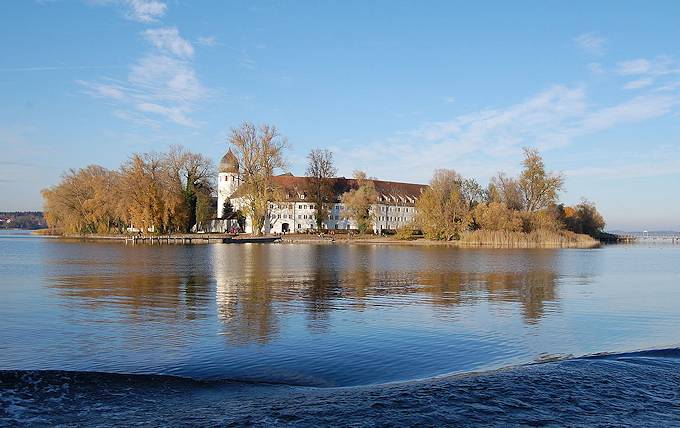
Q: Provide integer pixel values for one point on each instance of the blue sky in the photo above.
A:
(392, 87)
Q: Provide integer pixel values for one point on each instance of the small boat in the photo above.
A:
(254, 240)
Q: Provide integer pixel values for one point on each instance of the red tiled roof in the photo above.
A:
(389, 192)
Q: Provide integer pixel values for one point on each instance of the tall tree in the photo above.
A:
(506, 190)
(260, 153)
(539, 189)
(195, 175)
(320, 180)
(443, 212)
(359, 200)
(472, 192)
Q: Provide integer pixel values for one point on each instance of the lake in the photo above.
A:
(319, 316)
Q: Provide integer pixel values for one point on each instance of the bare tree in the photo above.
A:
(539, 189)
(320, 179)
(260, 152)
(505, 190)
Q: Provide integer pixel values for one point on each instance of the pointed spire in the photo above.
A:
(229, 163)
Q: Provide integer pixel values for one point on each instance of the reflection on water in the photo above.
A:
(326, 314)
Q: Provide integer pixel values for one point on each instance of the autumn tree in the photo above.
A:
(584, 218)
(358, 202)
(539, 189)
(506, 190)
(152, 194)
(85, 201)
(320, 180)
(497, 216)
(194, 174)
(260, 153)
(443, 212)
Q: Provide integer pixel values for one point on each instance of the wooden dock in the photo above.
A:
(199, 238)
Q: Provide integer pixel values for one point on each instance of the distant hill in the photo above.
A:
(29, 220)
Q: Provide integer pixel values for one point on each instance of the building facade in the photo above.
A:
(295, 212)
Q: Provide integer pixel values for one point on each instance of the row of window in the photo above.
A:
(397, 209)
(387, 218)
(337, 207)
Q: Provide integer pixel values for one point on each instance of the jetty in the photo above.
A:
(198, 238)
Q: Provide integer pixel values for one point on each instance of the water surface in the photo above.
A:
(325, 315)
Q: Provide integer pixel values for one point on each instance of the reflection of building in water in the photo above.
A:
(259, 286)
(244, 296)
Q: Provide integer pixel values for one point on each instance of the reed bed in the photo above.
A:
(535, 239)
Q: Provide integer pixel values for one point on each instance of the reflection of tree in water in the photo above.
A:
(531, 289)
(258, 285)
(140, 296)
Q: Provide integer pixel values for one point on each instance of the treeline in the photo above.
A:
(455, 208)
(30, 220)
(159, 192)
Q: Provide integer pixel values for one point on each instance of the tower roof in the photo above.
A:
(229, 163)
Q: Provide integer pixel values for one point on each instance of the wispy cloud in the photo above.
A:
(145, 10)
(168, 40)
(596, 68)
(591, 43)
(638, 84)
(647, 72)
(206, 41)
(161, 84)
(481, 142)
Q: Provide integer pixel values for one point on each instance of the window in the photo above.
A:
(299, 207)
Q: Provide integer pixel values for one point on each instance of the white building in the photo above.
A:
(295, 212)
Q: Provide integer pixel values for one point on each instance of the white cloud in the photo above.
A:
(660, 66)
(146, 11)
(166, 78)
(175, 114)
(207, 41)
(634, 110)
(168, 40)
(482, 142)
(639, 83)
(635, 66)
(103, 90)
(449, 100)
(591, 43)
(163, 83)
(596, 68)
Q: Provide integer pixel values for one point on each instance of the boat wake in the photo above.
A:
(636, 388)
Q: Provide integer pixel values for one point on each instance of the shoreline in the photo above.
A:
(324, 240)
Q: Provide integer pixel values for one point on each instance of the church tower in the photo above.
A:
(228, 180)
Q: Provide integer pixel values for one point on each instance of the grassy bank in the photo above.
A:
(479, 238)
(535, 239)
